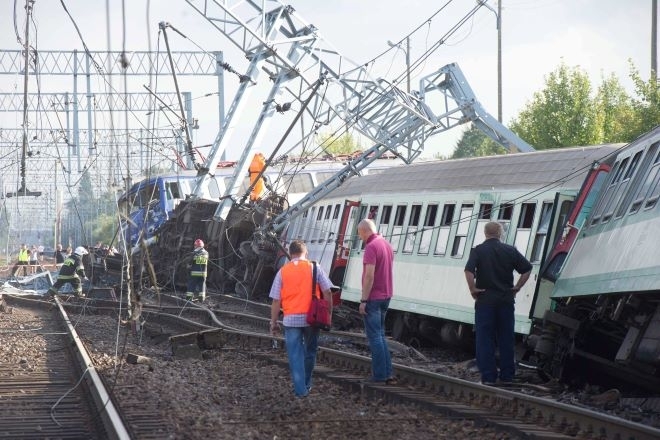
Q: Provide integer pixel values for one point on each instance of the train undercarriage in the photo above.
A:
(611, 339)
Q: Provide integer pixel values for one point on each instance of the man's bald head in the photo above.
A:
(366, 228)
(493, 230)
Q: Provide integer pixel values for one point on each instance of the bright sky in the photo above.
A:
(600, 36)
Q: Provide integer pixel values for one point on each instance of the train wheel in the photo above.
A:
(399, 329)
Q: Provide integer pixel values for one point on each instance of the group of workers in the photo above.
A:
(72, 270)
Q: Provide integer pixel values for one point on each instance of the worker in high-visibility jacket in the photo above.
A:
(197, 277)
(256, 167)
(71, 272)
(292, 292)
(23, 260)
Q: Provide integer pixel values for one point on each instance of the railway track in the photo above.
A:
(58, 395)
(509, 409)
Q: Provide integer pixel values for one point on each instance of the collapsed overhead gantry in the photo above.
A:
(294, 56)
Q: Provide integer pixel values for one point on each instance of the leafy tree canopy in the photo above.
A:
(337, 145)
(569, 111)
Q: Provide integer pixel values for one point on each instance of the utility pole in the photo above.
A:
(499, 60)
(498, 18)
(654, 40)
(23, 191)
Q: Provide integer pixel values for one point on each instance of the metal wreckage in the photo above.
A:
(244, 237)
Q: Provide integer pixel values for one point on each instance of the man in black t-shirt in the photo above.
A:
(489, 275)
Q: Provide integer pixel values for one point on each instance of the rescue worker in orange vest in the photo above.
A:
(256, 166)
(292, 290)
(197, 276)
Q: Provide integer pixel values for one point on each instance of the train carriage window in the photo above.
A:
(325, 226)
(524, 228)
(322, 176)
(541, 232)
(384, 221)
(214, 189)
(309, 225)
(504, 216)
(362, 214)
(332, 228)
(373, 213)
(589, 201)
(650, 184)
(299, 226)
(413, 225)
(609, 191)
(399, 218)
(350, 236)
(445, 227)
(485, 214)
(295, 183)
(294, 227)
(172, 190)
(622, 187)
(316, 233)
(460, 239)
(427, 232)
(562, 216)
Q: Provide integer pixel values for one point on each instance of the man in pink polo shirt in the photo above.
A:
(377, 262)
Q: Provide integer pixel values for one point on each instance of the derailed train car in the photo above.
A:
(585, 217)
(598, 298)
(433, 213)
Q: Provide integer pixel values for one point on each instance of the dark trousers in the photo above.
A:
(75, 284)
(494, 325)
(17, 267)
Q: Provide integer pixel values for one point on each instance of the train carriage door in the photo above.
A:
(557, 216)
(427, 231)
(541, 232)
(413, 225)
(342, 243)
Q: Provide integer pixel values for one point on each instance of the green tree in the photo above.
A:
(83, 211)
(562, 114)
(338, 145)
(646, 104)
(615, 111)
(103, 228)
(474, 143)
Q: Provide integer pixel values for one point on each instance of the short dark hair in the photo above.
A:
(297, 247)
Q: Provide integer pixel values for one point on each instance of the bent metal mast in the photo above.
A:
(295, 57)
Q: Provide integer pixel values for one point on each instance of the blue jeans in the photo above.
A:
(301, 345)
(494, 325)
(374, 327)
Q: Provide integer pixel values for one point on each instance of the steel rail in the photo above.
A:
(529, 415)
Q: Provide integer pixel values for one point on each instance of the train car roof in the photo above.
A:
(565, 166)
